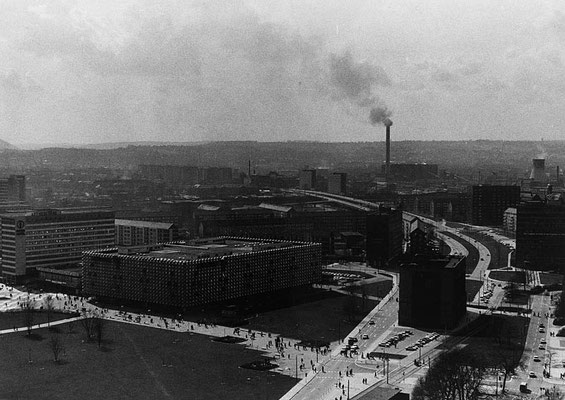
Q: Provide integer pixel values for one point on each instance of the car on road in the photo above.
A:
(543, 341)
(532, 374)
(541, 347)
(541, 330)
(365, 336)
(412, 348)
(537, 359)
(371, 322)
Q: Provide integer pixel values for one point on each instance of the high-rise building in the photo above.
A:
(540, 234)
(337, 183)
(432, 293)
(509, 221)
(488, 203)
(135, 233)
(384, 237)
(13, 188)
(307, 179)
(52, 238)
(200, 271)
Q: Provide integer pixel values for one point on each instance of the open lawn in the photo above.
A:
(12, 319)
(508, 276)
(550, 279)
(472, 286)
(327, 319)
(133, 363)
(378, 289)
(502, 337)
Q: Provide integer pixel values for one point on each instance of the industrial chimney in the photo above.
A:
(387, 123)
(538, 170)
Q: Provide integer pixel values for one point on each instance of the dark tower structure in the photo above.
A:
(388, 123)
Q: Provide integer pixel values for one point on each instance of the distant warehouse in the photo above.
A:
(200, 271)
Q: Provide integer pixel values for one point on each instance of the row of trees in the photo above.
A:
(93, 324)
(458, 375)
(454, 375)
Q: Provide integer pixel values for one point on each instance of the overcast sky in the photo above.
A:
(111, 71)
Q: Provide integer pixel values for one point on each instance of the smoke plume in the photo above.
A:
(379, 114)
(355, 81)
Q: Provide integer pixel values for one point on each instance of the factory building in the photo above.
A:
(51, 238)
(200, 271)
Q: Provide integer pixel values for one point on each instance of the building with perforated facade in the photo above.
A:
(200, 271)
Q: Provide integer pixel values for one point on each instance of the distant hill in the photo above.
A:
(103, 146)
(7, 146)
(496, 158)
(117, 145)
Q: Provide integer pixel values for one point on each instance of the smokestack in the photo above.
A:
(538, 170)
(388, 123)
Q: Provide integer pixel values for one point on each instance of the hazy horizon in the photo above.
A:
(79, 72)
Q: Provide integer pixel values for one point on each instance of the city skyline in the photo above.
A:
(85, 72)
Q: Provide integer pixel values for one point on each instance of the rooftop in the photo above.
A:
(144, 224)
(201, 248)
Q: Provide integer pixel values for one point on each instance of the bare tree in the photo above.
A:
(49, 305)
(453, 375)
(88, 324)
(28, 312)
(71, 327)
(94, 327)
(56, 346)
(99, 328)
(555, 394)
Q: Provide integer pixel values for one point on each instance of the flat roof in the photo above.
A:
(202, 248)
(143, 224)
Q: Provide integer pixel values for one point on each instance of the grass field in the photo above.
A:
(16, 318)
(377, 289)
(550, 279)
(508, 276)
(133, 363)
(317, 320)
(472, 286)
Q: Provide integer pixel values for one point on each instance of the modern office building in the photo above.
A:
(13, 189)
(136, 233)
(432, 293)
(509, 221)
(51, 238)
(200, 271)
(307, 179)
(337, 183)
(384, 237)
(540, 234)
(488, 203)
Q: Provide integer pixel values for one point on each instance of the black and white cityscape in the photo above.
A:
(315, 200)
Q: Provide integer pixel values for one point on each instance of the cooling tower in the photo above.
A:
(538, 170)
